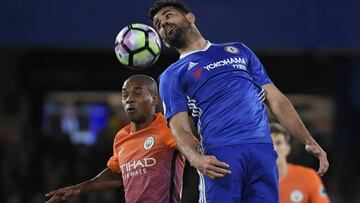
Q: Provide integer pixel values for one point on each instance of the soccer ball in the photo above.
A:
(137, 46)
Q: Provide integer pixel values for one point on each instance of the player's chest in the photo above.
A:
(203, 66)
(142, 149)
(137, 146)
(294, 191)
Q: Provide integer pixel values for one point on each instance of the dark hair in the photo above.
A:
(160, 4)
(277, 128)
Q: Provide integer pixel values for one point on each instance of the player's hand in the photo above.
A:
(315, 149)
(62, 194)
(211, 166)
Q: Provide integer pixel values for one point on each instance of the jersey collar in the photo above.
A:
(207, 45)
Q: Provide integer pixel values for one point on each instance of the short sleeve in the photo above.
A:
(113, 163)
(172, 94)
(169, 139)
(256, 69)
(317, 190)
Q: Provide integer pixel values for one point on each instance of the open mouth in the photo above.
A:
(131, 110)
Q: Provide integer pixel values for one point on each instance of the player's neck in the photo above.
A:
(140, 126)
(283, 169)
(196, 43)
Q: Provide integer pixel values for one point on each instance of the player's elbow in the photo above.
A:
(178, 132)
(279, 103)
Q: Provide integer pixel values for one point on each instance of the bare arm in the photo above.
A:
(187, 145)
(286, 114)
(103, 181)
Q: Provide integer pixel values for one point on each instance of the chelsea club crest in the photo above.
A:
(232, 50)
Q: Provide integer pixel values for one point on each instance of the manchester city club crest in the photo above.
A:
(149, 143)
(232, 50)
(296, 196)
(322, 191)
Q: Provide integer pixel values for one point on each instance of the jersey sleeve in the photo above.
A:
(113, 163)
(317, 193)
(169, 139)
(256, 69)
(172, 94)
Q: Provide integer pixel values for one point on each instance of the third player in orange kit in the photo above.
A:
(297, 184)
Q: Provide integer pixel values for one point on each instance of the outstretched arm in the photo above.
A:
(187, 145)
(103, 181)
(286, 114)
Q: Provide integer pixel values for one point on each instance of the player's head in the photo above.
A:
(139, 98)
(174, 22)
(281, 140)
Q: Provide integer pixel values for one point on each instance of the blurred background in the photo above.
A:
(60, 84)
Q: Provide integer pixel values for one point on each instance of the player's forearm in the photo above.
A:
(185, 140)
(105, 180)
(187, 145)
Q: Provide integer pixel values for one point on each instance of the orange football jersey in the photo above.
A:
(302, 185)
(151, 167)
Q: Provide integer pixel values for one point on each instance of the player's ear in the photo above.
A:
(190, 17)
(155, 99)
(288, 149)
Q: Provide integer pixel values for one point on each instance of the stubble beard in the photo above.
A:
(178, 38)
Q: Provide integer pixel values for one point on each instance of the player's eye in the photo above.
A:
(157, 25)
(137, 93)
(168, 15)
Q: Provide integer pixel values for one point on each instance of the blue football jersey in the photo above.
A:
(220, 87)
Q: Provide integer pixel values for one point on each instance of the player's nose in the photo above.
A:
(130, 99)
(164, 23)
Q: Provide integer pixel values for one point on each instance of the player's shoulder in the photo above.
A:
(234, 47)
(161, 122)
(169, 70)
(160, 116)
(306, 171)
(164, 131)
(228, 44)
(123, 132)
(239, 45)
(172, 71)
